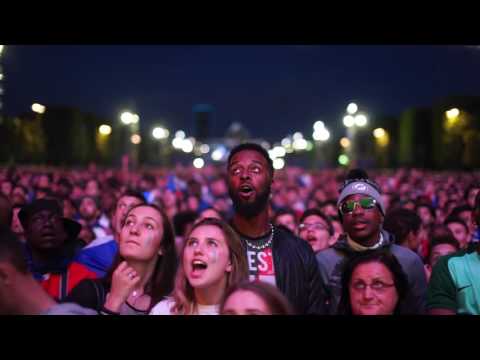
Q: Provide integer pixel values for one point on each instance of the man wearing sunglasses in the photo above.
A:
(362, 212)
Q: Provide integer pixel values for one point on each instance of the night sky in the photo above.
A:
(284, 88)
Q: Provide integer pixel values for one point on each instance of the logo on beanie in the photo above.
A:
(360, 187)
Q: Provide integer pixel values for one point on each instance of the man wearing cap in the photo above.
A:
(20, 293)
(362, 212)
(51, 244)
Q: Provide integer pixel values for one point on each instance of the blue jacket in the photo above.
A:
(99, 255)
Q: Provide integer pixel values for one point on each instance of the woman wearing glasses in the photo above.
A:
(373, 283)
(361, 212)
(316, 229)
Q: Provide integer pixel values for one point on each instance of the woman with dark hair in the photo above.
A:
(212, 259)
(255, 298)
(373, 283)
(143, 272)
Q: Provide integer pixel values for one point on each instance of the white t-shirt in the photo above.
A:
(164, 308)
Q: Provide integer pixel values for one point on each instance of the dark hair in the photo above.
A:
(282, 212)
(357, 173)
(6, 212)
(275, 300)
(253, 147)
(454, 219)
(400, 222)
(474, 185)
(477, 202)
(65, 182)
(181, 221)
(319, 213)
(162, 281)
(457, 210)
(132, 193)
(382, 256)
(442, 236)
(428, 206)
(11, 250)
(211, 208)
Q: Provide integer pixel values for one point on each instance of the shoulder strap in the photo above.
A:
(100, 294)
(63, 285)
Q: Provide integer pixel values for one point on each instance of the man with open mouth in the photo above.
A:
(274, 255)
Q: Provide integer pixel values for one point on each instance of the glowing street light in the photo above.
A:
(345, 142)
(136, 139)
(321, 135)
(298, 135)
(218, 154)
(360, 120)
(187, 145)
(343, 160)
(177, 143)
(378, 133)
(348, 121)
(105, 129)
(39, 109)
(160, 133)
(278, 151)
(286, 142)
(278, 164)
(127, 118)
(452, 114)
(204, 148)
(352, 108)
(1, 49)
(180, 134)
(300, 144)
(318, 126)
(198, 163)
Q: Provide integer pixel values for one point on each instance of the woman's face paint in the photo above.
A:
(206, 244)
(141, 236)
(213, 254)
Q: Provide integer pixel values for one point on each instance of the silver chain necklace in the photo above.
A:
(264, 246)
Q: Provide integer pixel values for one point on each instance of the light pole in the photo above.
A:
(320, 135)
(353, 120)
(132, 121)
(2, 48)
(161, 134)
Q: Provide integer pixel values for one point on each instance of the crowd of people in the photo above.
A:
(238, 239)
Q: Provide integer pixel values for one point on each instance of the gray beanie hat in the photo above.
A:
(361, 187)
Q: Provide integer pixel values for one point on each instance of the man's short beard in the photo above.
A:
(250, 210)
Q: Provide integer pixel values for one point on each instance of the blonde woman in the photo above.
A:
(212, 260)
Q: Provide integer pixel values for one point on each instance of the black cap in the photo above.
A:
(71, 227)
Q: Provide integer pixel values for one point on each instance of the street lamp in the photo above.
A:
(160, 133)
(38, 108)
(132, 121)
(352, 121)
(352, 108)
(1, 87)
(105, 130)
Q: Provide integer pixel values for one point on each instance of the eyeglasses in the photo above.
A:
(348, 207)
(377, 286)
(313, 226)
